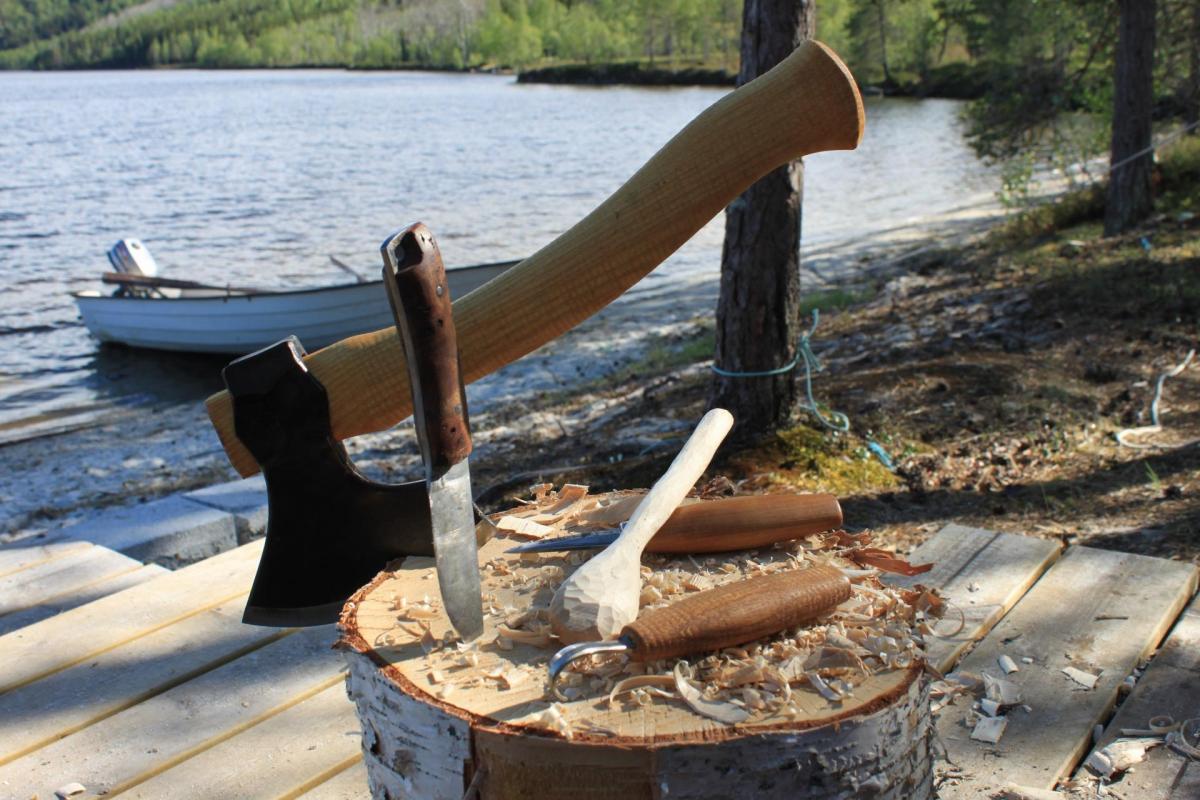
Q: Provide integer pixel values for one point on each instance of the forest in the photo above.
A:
(942, 47)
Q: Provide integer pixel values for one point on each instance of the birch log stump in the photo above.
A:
(442, 720)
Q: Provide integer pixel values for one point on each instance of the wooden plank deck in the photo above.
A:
(158, 690)
(1169, 687)
(1096, 610)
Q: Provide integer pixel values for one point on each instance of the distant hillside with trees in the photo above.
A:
(896, 40)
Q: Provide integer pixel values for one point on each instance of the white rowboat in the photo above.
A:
(214, 320)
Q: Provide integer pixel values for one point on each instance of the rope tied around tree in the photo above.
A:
(836, 420)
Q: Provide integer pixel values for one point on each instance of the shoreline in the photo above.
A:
(957, 81)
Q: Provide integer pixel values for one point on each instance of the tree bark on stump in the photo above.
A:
(1129, 198)
(434, 726)
(758, 321)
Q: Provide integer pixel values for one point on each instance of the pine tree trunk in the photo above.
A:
(1192, 107)
(758, 321)
(1129, 197)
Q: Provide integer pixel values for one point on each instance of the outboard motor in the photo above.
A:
(131, 257)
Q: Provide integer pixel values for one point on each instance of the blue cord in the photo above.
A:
(837, 420)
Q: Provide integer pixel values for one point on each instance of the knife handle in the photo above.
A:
(420, 297)
(745, 523)
(737, 613)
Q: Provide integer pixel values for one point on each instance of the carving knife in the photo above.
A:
(420, 297)
(733, 523)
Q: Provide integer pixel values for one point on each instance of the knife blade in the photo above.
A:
(420, 298)
(732, 523)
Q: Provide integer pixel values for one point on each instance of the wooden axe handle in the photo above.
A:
(806, 104)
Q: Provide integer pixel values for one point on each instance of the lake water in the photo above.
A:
(255, 177)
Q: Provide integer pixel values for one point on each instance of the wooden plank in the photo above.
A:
(66, 701)
(349, 784)
(76, 635)
(1170, 686)
(982, 573)
(79, 596)
(16, 557)
(299, 748)
(169, 728)
(60, 576)
(1096, 610)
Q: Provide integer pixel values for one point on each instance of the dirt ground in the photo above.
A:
(996, 378)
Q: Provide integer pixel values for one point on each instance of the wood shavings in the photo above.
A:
(823, 688)
(1120, 756)
(781, 677)
(989, 729)
(1004, 692)
(505, 677)
(70, 790)
(551, 719)
(721, 711)
(524, 528)
(639, 682)
(436, 676)
(535, 638)
(1085, 679)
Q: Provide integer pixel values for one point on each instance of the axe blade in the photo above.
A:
(330, 530)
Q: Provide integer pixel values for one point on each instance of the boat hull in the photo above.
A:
(237, 324)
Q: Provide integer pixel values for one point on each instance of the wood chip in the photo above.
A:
(1120, 756)
(638, 682)
(989, 729)
(1082, 678)
(717, 710)
(525, 528)
(1004, 692)
(70, 790)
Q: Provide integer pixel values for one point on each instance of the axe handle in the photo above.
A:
(806, 104)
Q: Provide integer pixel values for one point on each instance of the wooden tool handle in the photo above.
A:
(806, 104)
(737, 612)
(744, 523)
(420, 296)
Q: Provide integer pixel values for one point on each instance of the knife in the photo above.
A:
(420, 298)
(732, 523)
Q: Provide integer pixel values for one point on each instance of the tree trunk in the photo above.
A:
(1129, 197)
(758, 322)
(1192, 107)
(881, 15)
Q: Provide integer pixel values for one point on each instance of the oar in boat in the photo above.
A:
(342, 265)
(148, 282)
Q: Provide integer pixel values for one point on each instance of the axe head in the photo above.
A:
(329, 528)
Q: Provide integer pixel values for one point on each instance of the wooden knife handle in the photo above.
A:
(744, 523)
(806, 104)
(420, 296)
(737, 613)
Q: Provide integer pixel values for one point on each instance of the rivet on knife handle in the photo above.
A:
(416, 285)
(729, 615)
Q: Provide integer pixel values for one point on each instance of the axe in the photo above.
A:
(806, 104)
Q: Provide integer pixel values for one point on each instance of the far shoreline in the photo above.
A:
(957, 81)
